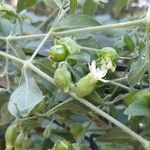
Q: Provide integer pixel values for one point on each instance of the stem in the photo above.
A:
(103, 27)
(12, 57)
(41, 73)
(89, 49)
(6, 66)
(144, 142)
(119, 85)
(87, 29)
(36, 36)
(54, 109)
(2, 38)
(147, 50)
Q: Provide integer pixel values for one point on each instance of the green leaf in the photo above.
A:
(25, 97)
(130, 44)
(119, 6)
(5, 116)
(73, 6)
(5, 27)
(136, 72)
(24, 4)
(76, 130)
(7, 10)
(77, 21)
(89, 7)
(139, 108)
(82, 57)
(115, 135)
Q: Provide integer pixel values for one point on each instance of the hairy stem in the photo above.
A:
(12, 57)
(144, 142)
(103, 27)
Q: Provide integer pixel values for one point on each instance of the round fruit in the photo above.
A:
(58, 53)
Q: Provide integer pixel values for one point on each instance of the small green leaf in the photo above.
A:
(82, 57)
(139, 108)
(5, 27)
(136, 73)
(76, 130)
(23, 4)
(7, 10)
(25, 97)
(73, 6)
(115, 135)
(5, 116)
(130, 45)
(119, 6)
(89, 7)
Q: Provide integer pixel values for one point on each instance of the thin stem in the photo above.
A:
(89, 49)
(12, 57)
(55, 109)
(147, 50)
(41, 73)
(103, 27)
(144, 142)
(6, 66)
(2, 38)
(87, 29)
(119, 85)
(33, 36)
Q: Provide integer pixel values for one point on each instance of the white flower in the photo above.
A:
(97, 73)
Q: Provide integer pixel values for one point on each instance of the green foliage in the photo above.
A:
(68, 81)
(21, 5)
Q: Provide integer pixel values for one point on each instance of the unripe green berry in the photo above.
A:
(58, 53)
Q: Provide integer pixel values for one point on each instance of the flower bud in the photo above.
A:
(70, 44)
(62, 78)
(46, 133)
(10, 136)
(85, 85)
(19, 141)
(108, 58)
